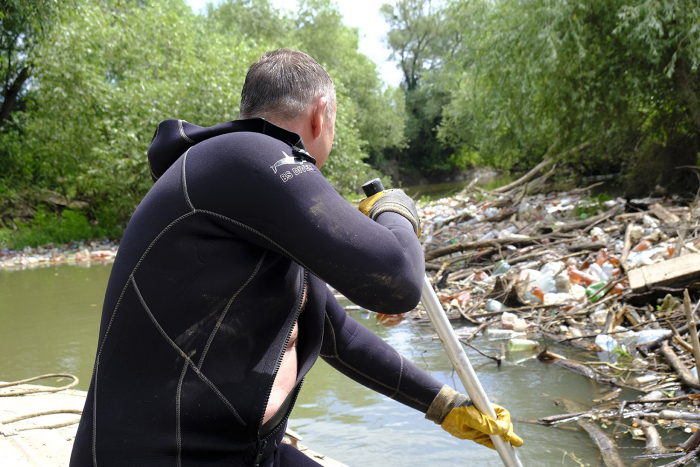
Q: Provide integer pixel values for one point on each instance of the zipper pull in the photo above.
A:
(261, 448)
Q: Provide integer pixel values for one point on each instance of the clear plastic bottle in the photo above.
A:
(607, 271)
(518, 345)
(501, 268)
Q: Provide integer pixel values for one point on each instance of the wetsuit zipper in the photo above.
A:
(262, 443)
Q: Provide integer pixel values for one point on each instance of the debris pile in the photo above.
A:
(75, 253)
(612, 276)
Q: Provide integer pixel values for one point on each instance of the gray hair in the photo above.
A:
(282, 83)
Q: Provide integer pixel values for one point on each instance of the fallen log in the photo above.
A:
(565, 363)
(546, 162)
(495, 242)
(608, 450)
(653, 444)
(591, 220)
(663, 215)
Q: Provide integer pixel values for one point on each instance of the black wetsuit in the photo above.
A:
(232, 245)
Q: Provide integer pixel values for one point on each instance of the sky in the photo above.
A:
(362, 14)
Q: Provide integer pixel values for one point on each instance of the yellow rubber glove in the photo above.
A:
(391, 200)
(468, 423)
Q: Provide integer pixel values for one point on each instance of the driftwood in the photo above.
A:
(546, 162)
(457, 247)
(684, 373)
(665, 216)
(565, 363)
(653, 445)
(591, 220)
(608, 450)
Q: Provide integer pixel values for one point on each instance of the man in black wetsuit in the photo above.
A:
(217, 305)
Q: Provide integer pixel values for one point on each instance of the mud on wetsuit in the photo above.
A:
(231, 246)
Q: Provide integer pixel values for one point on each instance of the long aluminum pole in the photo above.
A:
(464, 368)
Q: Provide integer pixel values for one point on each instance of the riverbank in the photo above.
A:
(81, 253)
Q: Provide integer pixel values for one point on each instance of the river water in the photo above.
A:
(49, 322)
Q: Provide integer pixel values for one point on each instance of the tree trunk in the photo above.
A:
(11, 96)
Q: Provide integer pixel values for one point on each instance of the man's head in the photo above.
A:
(292, 90)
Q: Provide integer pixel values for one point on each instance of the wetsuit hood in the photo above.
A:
(174, 137)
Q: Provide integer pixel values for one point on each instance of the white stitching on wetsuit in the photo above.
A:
(240, 224)
(184, 355)
(178, 434)
(184, 181)
(337, 357)
(228, 305)
(182, 133)
(109, 326)
(398, 384)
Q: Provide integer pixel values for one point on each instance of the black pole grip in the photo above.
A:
(373, 187)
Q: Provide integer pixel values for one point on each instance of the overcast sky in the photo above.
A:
(362, 14)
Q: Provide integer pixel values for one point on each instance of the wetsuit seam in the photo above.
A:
(240, 224)
(109, 326)
(172, 343)
(337, 357)
(182, 133)
(94, 414)
(178, 431)
(398, 384)
(228, 305)
(184, 181)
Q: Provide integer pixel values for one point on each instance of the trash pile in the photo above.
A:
(614, 277)
(81, 253)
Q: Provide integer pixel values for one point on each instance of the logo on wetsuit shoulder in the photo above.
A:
(287, 160)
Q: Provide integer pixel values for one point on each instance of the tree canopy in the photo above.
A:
(103, 74)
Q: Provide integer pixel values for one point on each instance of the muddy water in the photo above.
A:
(49, 320)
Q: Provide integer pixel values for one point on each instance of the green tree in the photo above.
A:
(622, 77)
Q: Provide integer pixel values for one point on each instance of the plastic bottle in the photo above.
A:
(592, 291)
(518, 345)
(502, 333)
(599, 316)
(606, 342)
(507, 320)
(493, 305)
(602, 257)
(595, 271)
(578, 277)
(520, 325)
(606, 271)
(643, 245)
(549, 286)
(537, 292)
(645, 336)
(555, 267)
(556, 298)
(501, 268)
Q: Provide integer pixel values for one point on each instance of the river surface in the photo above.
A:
(49, 322)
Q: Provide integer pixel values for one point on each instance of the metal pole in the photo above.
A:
(464, 368)
(455, 352)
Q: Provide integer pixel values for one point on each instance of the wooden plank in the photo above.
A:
(676, 271)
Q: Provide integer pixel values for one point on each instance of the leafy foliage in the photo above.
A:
(107, 72)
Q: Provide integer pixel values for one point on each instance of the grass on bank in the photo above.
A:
(49, 227)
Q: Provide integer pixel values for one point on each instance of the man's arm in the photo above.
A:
(378, 265)
(361, 355)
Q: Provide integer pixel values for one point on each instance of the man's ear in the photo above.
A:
(318, 117)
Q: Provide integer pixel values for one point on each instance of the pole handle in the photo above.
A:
(373, 187)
